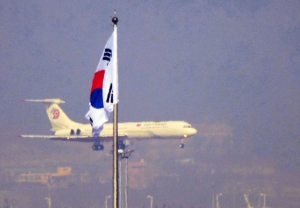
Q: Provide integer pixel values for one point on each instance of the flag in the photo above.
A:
(104, 90)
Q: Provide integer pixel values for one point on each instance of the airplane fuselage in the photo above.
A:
(136, 130)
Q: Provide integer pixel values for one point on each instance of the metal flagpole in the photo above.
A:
(120, 182)
(115, 131)
(126, 183)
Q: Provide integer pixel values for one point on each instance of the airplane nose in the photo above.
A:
(194, 131)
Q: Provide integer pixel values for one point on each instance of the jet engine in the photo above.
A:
(68, 132)
(78, 132)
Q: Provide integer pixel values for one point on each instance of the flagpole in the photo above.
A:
(115, 131)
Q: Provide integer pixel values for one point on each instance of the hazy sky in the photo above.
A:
(203, 61)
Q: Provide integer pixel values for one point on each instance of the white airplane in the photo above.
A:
(67, 130)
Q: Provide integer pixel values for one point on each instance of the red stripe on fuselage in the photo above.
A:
(98, 80)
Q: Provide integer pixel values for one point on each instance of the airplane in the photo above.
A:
(67, 130)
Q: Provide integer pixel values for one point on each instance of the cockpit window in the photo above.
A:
(187, 126)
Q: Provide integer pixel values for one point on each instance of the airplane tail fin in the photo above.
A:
(58, 118)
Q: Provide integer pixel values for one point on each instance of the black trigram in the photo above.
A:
(107, 55)
(110, 95)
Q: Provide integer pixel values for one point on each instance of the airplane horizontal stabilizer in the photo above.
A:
(52, 100)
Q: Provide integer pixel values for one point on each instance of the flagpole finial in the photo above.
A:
(115, 19)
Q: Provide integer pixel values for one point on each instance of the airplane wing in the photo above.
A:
(75, 138)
